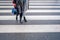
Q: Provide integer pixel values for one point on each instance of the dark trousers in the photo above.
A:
(17, 13)
(21, 14)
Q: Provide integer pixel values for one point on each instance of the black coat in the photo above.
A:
(17, 2)
(14, 1)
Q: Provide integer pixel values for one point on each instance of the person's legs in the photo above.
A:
(21, 15)
(17, 13)
(25, 19)
(16, 17)
(23, 12)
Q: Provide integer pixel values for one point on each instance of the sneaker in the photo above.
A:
(25, 19)
(16, 18)
(21, 22)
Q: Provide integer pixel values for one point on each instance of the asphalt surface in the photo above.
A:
(30, 36)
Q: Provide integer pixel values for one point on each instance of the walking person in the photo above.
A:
(17, 4)
(22, 15)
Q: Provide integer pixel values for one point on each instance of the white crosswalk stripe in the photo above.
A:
(5, 1)
(29, 28)
(32, 11)
(44, 6)
(42, 1)
(34, 7)
(42, 11)
(31, 17)
(5, 11)
(6, 6)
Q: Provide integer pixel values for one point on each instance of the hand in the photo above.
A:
(14, 4)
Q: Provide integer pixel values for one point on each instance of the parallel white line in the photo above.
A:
(29, 28)
(33, 11)
(46, 17)
(32, 6)
(36, 11)
(5, 1)
(43, 1)
(28, 11)
(44, 6)
(6, 6)
(5, 11)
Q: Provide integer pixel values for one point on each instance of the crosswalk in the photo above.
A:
(42, 16)
(5, 6)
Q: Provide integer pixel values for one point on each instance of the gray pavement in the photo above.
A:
(29, 36)
(44, 27)
(31, 14)
(30, 22)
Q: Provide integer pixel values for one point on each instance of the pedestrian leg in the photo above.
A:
(21, 14)
(24, 12)
(17, 14)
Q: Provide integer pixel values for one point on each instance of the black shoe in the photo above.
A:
(16, 19)
(25, 19)
(21, 22)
